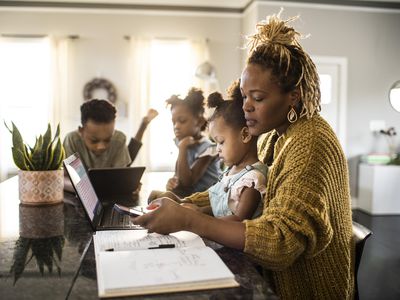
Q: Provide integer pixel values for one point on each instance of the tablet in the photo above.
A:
(111, 182)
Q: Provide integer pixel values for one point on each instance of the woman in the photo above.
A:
(303, 238)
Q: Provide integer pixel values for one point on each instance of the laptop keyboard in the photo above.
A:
(119, 219)
(113, 218)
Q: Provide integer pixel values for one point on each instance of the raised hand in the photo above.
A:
(151, 114)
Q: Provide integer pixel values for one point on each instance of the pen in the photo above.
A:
(163, 246)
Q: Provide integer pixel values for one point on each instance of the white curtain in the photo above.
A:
(139, 62)
(34, 76)
(160, 68)
(26, 85)
(61, 56)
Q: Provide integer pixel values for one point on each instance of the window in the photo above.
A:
(171, 71)
(25, 99)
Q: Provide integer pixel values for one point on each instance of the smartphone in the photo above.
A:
(131, 211)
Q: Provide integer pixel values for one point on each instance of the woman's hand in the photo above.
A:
(167, 216)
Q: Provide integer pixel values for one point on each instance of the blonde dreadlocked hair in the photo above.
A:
(276, 47)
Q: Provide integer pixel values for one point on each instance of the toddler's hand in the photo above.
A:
(160, 194)
(154, 194)
(136, 192)
(172, 183)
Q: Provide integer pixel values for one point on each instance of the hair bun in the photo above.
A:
(234, 92)
(215, 100)
(274, 31)
(195, 94)
(174, 99)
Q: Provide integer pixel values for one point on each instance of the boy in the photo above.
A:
(98, 143)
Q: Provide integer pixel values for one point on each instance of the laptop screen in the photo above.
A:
(83, 187)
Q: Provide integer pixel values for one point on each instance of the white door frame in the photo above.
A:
(341, 63)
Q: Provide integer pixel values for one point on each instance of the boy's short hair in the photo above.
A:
(99, 111)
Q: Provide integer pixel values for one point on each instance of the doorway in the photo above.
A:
(333, 82)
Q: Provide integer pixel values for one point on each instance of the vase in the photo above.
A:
(41, 187)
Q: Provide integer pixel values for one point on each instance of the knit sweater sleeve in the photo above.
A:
(200, 199)
(295, 219)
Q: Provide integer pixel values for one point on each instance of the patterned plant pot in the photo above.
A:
(41, 221)
(41, 187)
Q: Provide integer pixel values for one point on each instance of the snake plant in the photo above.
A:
(47, 154)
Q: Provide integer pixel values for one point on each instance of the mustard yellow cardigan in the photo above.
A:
(303, 239)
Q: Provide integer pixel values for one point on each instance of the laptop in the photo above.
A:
(101, 217)
(115, 183)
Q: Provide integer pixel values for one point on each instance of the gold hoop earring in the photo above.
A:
(292, 115)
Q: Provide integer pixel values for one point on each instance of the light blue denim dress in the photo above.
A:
(213, 170)
(220, 192)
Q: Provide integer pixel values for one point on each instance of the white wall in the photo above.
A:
(249, 19)
(371, 43)
(370, 40)
(101, 49)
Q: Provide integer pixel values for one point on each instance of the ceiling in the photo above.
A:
(190, 5)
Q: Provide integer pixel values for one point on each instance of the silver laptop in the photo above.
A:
(101, 217)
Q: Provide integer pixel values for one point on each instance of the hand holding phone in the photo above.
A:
(133, 212)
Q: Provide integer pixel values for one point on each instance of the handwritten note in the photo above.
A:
(121, 240)
(134, 269)
(162, 268)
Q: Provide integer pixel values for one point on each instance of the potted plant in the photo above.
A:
(41, 180)
(390, 134)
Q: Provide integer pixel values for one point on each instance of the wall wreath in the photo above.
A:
(100, 83)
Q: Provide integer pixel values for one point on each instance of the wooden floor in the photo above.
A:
(379, 273)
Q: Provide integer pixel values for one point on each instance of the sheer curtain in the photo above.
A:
(61, 56)
(160, 68)
(139, 62)
(26, 92)
(33, 80)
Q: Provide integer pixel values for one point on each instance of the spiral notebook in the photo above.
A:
(133, 263)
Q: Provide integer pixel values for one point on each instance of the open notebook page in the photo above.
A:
(122, 240)
(142, 272)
